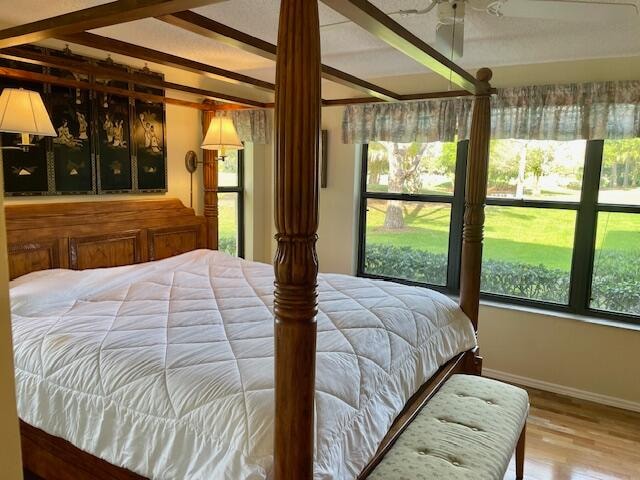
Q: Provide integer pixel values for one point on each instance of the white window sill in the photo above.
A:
(565, 315)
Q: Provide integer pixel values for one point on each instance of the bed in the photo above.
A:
(139, 364)
(146, 240)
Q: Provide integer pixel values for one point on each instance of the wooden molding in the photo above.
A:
(98, 87)
(105, 250)
(376, 22)
(209, 28)
(32, 256)
(37, 58)
(149, 55)
(112, 13)
(170, 241)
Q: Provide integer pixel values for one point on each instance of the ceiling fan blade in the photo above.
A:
(573, 10)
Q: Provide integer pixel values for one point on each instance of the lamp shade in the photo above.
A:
(221, 135)
(23, 111)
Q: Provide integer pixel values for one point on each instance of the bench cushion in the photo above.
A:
(468, 430)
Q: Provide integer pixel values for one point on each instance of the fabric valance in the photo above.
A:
(252, 125)
(425, 121)
(547, 112)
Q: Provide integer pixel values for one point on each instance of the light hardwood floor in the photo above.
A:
(570, 439)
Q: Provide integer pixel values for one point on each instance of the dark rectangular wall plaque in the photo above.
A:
(105, 143)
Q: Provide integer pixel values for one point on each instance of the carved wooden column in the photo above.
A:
(297, 120)
(475, 196)
(210, 176)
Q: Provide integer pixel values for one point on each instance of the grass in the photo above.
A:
(534, 236)
(227, 216)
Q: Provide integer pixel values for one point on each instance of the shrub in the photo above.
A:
(616, 284)
(227, 244)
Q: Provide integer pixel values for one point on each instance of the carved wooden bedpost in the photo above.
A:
(210, 177)
(297, 120)
(475, 196)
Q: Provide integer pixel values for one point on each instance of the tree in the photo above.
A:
(623, 154)
(504, 161)
(539, 162)
(377, 164)
(404, 176)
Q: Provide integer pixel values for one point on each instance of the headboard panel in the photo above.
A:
(99, 234)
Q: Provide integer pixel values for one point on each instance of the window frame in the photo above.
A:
(587, 209)
(455, 200)
(238, 189)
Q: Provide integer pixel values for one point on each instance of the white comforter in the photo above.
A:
(166, 368)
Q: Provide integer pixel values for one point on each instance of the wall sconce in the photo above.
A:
(221, 136)
(23, 112)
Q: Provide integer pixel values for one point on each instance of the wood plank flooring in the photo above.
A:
(570, 439)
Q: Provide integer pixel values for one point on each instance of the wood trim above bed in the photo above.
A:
(99, 234)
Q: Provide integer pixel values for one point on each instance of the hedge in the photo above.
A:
(616, 284)
(227, 244)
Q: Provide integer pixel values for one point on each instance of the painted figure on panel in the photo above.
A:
(114, 153)
(66, 138)
(82, 126)
(151, 141)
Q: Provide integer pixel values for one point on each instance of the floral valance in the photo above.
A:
(428, 121)
(548, 112)
(252, 125)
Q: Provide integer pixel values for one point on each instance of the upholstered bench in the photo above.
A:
(467, 431)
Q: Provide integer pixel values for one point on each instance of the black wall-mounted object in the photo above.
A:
(105, 144)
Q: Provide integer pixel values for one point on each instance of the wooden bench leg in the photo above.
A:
(520, 453)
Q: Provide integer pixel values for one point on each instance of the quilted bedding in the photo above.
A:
(166, 368)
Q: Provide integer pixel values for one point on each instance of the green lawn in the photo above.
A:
(227, 221)
(533, 236)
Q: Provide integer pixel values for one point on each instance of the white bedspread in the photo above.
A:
(166, 368)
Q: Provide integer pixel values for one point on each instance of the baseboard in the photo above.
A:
(562, 390)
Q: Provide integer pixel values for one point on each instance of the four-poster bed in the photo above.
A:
(295, 304)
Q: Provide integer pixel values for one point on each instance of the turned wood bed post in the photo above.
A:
(210, 176)
(475, 196)
(297, 120)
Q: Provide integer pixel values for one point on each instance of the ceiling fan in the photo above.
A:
(450, 29)
(451, 13)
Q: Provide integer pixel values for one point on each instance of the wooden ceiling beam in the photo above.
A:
(148, 55)
(403, 98)
(66, 82)
(380, 25)
(37, 58)
(112, 13)
(209, 28)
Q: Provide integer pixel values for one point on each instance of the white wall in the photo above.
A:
(339, 201)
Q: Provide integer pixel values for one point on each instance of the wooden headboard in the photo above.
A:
(99, 234)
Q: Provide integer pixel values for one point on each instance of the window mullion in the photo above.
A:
(584, 245)
(362, 221)
(240, 193)
(457, 218)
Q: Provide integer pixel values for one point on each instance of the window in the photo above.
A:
(231, 203)
(533, 194)
(562, 227)
(411, 212)
(615, 285)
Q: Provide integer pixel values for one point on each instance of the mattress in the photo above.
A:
(166, 368)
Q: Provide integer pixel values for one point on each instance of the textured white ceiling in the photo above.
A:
(489, 41)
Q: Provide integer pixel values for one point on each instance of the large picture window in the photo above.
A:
(231, 203)
(562, 227)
